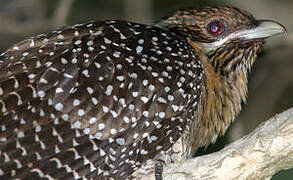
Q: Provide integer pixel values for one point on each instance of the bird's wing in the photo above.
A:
(87, 94)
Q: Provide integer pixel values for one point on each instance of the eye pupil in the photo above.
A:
(215, 28)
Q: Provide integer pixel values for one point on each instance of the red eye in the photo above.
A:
(215, 28)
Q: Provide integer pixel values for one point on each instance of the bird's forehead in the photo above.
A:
(231, 13)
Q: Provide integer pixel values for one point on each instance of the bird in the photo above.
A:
(102, 99)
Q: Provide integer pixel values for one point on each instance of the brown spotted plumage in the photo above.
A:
(98, 100)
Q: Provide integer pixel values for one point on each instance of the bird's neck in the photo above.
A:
(222, 100)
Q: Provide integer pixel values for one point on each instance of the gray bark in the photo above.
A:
(259, 155)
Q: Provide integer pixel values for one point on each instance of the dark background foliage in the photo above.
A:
(271, 80)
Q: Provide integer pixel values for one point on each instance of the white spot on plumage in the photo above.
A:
(107, 41)
(135, 94)
(135, 135)
(39, 157)
(38, 171)
(119, 66)
(158, 148)
(145, 114)
(126, 119)
(77, 42)
(168, 48)
(77, 124)
(143, 152)
(60, 36)
(131, 107)
(98, 33)
(120, 78)
(65, 117)
(90, 43)
(122, 102)
(158, 52)
(109, 90)
(57, 150)
(86, 73)
(113, 131)
(86, 131)
(98, 135)
(144, 135)
(105, 109)
(117, 54)
(25, 54)
(76, 102)
(31, 76)
(59, 90)
(154, 138)
(44, 81)
(145, 82)
(85, 161)
(139, 49)
(161, 114)
(43, 146)
(114, 113)
(162, 100)
(38, 128)
(133, 75)
(58, 162)
(59, 106)
(90, 90)
(102, 152)
(73, 60)
(151, 87)
(94, 100)
(171, 98)
(64, 61)
(169, 68)
(155, 38)
(101, 126)
(167, 89)
(80, 112)
(144, 99)
(91, 49)
(155, 74)
(68, 169)
(120, 141)
(93, 120)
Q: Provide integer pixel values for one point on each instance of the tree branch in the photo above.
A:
(259, 155)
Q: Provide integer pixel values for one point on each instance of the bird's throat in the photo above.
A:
(222, 102)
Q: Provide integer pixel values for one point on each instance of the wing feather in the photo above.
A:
(93, 100)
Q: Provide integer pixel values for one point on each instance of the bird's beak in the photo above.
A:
(262, 30)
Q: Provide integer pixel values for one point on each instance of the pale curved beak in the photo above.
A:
(263, 29)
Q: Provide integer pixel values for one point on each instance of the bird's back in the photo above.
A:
(95, 100)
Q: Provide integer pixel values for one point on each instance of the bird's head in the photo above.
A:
(228, 36)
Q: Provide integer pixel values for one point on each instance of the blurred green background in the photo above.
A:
(271, 81)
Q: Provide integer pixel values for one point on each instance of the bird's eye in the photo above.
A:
(215, 28)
